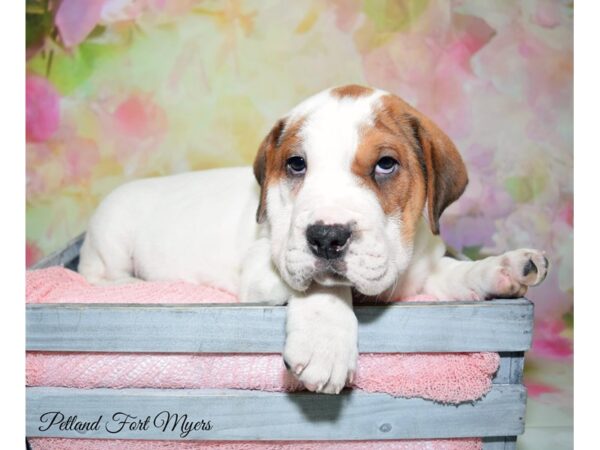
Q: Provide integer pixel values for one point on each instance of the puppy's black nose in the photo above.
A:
(328, 241)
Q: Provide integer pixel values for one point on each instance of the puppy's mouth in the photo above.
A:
(331, 272)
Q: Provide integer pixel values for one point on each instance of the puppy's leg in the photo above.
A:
(94, 259)
(321, 346)
(260, 282)
(507, 275)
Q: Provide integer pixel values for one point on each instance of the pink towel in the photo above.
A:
(59, 285)
(113, 444)
(447, 378)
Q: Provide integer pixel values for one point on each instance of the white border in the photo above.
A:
(12, 95)
(587, 77)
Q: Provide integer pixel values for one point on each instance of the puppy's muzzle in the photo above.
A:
(328, 241)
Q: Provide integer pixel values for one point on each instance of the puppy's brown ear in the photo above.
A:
(446, 175)
(269, 143)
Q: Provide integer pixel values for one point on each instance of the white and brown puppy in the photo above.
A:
(344, 180)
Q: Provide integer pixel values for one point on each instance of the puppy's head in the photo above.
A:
(344, 179)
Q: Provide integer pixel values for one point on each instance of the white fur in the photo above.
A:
(321, 336)
(332, 194)
(200, 227)
(195, 227)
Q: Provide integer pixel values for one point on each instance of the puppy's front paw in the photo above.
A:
(324, 359)
(518, 270)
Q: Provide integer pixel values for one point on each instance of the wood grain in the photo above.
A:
(253, 415)
(498, 325)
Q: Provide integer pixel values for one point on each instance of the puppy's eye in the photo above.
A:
(385, 166)
(296, 165)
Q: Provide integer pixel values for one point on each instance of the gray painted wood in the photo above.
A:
(517, 364)
(63, 257)
(498, 325)
(500, 443)
(503, 374)
(494, 443)
(511, 443)
(511, 368)
(327, 408)
(254, 415)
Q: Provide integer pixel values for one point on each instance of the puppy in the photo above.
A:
(343, 181)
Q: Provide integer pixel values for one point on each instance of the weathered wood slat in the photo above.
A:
(500, 443)
(62, 257)
(516, 367)
(511, 368)
(499, 325)
(253, 415)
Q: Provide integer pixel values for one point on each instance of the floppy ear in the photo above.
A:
(269, 143)
(446, 175)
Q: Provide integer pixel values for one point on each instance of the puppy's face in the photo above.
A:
(344, 179)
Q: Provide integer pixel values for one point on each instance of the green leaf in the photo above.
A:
(473, 252)
(37, 27)
(524, 189)
(70, 71)
(392, 15)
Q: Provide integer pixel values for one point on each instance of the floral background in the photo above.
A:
(121, 89)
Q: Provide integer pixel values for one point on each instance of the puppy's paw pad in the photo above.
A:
(520, 269)
(528, 267)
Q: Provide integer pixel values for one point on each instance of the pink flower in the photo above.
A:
(566, 213)
(81, 156)
(547, 14)
(32, 253)
(140, 117)
(548, 342)
(431, 67)
(121, 10)
(537, 389)
(42, 106)
(76, 19)
(34, 184)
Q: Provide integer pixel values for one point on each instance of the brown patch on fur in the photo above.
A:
(403, 191)
(270, 162)
(351, 90)
(431, 168)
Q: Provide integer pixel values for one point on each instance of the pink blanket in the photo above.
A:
(447, 378)
(114, 444)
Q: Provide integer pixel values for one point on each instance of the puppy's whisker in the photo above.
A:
(393, 289)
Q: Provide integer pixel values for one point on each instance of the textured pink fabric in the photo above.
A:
(59, 285)
(113, 444)
(447, 378)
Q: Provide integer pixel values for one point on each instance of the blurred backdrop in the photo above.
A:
(121, 89)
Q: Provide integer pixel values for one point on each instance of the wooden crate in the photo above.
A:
(503, 326)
